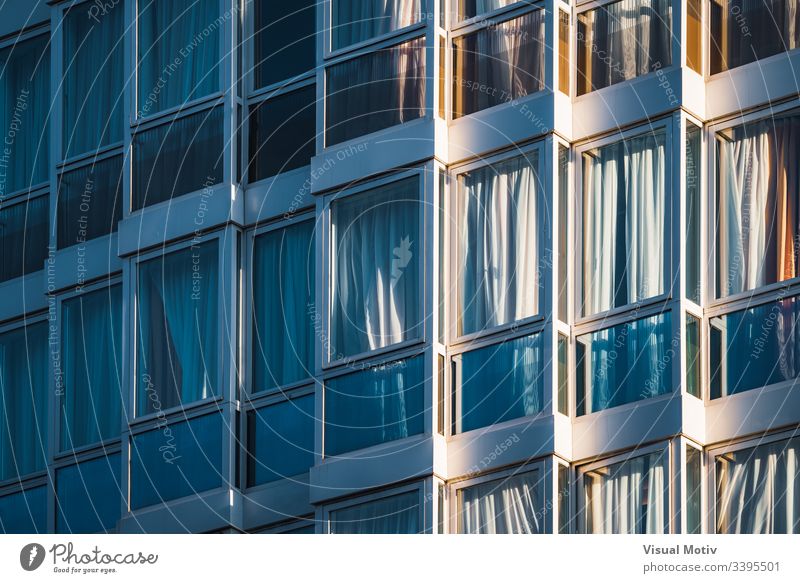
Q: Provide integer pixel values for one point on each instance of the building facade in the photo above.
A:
(410, 266)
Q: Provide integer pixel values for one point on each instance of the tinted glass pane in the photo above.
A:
(282, 133)
(563, 500)
(355, 21)
(89, 202)
(90, 496)
(693, 202)
(178, 459)
(24, 237)
(374, 406)
(284, 41)
(176, 158)
(563, 375)
(563, 233)
(512, 505)
(755, 348)
(24, 512)
(500, 382)
(693, 491)
(280, 440)
(393, 515)
(693, 378)
(472, 8)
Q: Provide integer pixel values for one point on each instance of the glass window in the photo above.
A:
(24, 237)
(563, 233)
(693, 216)
(694, 494)
(24, 512)
(284, 41)
(628, 497)
(182, 156)
(563, 374)
(623, 40)
(89, 202)
(282, 133)
(694, 35)
(283, 306)
(25, 108)
(374, 406)
(24, 416)
(179, 52)
(393, 515)
(176, 459)
(693, 362)
(355, 21)
(376, 259)
(744, 31)
(624, 210)
(512, 505)
(623, 364)
(563, 52)
(374, 91)
(563, 499)
(499, 63)
(91, 345)
(471, 8)
(499, 382)
(758, 215)
(178, 320)
(280, 440)
(89, 496)
(758, 489)
(93, 82)
(498, 224)
(754, 348)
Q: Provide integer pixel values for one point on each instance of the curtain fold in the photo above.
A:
(393, 515)
(355, 21)
(772, 27)
(283, 304)
(758, 237)
(628, 497)
(514, 505)
(24, 236)
(498, 246)
(624, 222)
(758, 490)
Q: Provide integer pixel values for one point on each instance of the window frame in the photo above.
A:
(416, 486)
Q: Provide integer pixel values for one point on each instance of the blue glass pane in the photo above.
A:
(755, 348)
(178, 319)
(24, 418)
(178, 52)
(283, 306)
(24, 512)
(91, 344)
(176, 460)
(280, 440)
(90, 496)
(393, 515)
(24, 237)
(283, 40)
(500, 382)
(625, 363)
(374, 406)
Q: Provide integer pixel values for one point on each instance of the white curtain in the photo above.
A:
(507, 58)
(759, 216)
(470, 8)
(498, 247)
(510, 506)
(393, 515)
(629, 497)
(758, 490)
(359, 20)
(376, 258)
(624, 218)
(773, 26)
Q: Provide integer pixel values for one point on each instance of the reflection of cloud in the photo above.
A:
(402, 256)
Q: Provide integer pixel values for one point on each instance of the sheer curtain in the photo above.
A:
(498, 63)
(623, 40)
(471, 8)
(514, 505)
(375, 269)
(374, 406)
(498, 246)
(629, 497)
(92, 356)
(178, 329)
(759, 219)
(93, 78)
(624, 221)
(375, 91)
(393, 515)
(773, 26)
(24, 418)
(25, 110)
(23, 237)
(359, 20)
(758, 490)
(283, 306)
